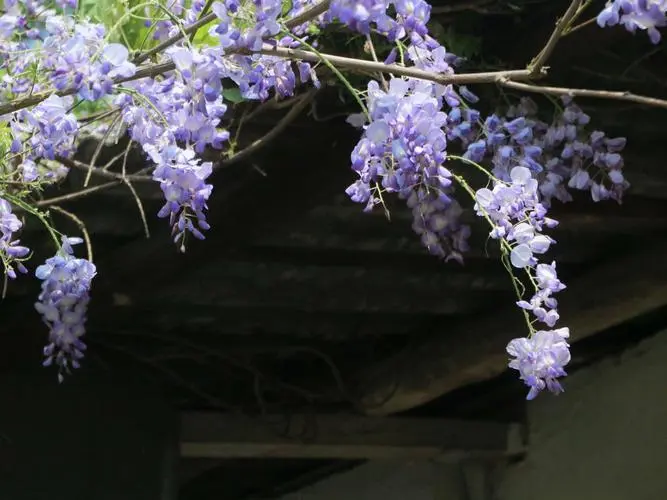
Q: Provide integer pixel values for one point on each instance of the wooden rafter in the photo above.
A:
(348, 437)
(614, 292)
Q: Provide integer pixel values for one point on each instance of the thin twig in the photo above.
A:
(596, 94)
(98, 116)
(120, 178)
(581, 25)
(140, 206)
(126, 154)
(78, 194)
(371, 49)
(98, 150)
(82, 227)
(272, 105)
(537, 64)
(275, 131)
(102, 171)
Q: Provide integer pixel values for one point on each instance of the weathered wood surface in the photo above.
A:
(214, 435)
(604, 297)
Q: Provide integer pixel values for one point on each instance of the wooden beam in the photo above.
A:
(610, 294)
(347, 437)
(349, 229)
(342, 289)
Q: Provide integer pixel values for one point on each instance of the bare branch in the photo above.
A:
(562, 24)
(596, 94)
(78, 194)
(373, 67)
(102, 171)
(342, 62)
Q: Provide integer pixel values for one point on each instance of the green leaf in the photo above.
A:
(204, 38)
(287, 6)
(232, 94)
(5, 139)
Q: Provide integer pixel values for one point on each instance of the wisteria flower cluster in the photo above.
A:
(419, 134)
(403, 151)
(645, 15)
(531, 164)
(63, 303)
(560, 155)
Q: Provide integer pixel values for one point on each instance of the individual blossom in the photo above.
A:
(541, 359)
(645, 15)
(11, 251)
(63, 303)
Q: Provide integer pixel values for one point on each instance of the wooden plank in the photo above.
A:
(343, 289)
(610, 294)
(330, 229)
(348, 437)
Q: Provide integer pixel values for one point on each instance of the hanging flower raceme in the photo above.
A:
(183, 181)
(63, 304)
(403, 151)
(518, 219)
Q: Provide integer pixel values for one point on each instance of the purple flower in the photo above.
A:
(11, 252)
(403, 151)
(45, 131)
(183, 182)
(519, 219)
(540, 359)
(646, 15)
(63, 304)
